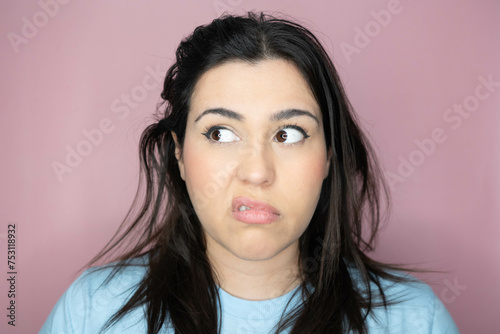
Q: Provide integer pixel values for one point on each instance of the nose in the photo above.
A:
(256, 165)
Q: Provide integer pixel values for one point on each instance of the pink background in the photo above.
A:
(72, 73)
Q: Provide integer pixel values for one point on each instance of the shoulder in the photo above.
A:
(94, 297)
(413, 308)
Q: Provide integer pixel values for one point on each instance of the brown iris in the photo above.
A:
(281, 136)
(215, 135)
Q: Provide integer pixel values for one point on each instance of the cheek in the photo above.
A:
(308, 169)
(302, 181)
(197, 179)
(206, 175)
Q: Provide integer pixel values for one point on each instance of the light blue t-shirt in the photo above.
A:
(84, 308)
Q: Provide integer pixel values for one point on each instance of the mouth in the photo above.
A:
(252, 211)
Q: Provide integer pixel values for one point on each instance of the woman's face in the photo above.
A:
(254, 158)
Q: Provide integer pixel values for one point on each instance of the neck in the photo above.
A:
(257, 280)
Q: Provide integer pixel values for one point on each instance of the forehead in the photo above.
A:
(267, 85)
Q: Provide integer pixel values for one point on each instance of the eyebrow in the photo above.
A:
(281, 115)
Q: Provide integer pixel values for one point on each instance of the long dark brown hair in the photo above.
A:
(179, 285)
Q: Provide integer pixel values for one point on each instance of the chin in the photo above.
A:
(256, 252)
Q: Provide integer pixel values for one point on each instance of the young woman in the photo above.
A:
(259, 188)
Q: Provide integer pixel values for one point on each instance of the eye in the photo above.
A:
(221, 135)
(291, 134)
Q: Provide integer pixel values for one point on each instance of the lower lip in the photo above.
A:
(255, 216)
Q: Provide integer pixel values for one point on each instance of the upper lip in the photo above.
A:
(253, 204)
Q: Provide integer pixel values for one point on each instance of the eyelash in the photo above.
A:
(209, 129)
